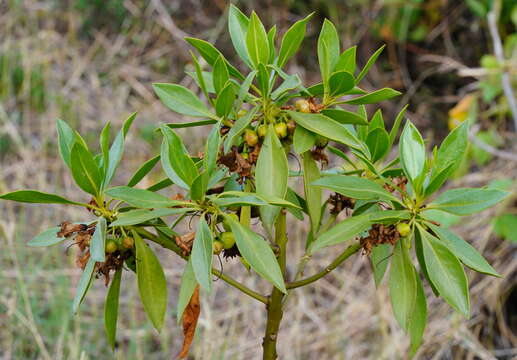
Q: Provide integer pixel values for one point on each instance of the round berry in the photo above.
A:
(303, 106)
(128, 242)
(281, 130)
(262, 131)
(217, 247)
(111, 246)
(403, 229)
(227, 239)
(251, 137)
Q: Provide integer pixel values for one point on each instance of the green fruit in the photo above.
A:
(217, 247)
(227, 239)
(111, 246)
(226, 225)
(281, 130)
(302, 106)
(250, 137)
(262, 131)
(242, 112)
(403, 229)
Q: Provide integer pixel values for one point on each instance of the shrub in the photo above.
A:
(373, 200)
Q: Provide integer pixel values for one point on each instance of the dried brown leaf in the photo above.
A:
(190, 317)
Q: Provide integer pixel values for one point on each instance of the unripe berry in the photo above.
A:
(242, 112)
(111, 246)
(227, 239)
(217, 247)
(321, 141)
(303, 106)
(262, 131)
(403, 229)
(281, 130)
(251, 137)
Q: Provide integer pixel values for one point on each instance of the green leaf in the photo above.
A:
(140, 216)
(263, 80)
(403, 286)
(199, 186)
(151, 282)
(83, 285)
(210, 54)
(181, 100)
(373, 97)
(446, 273)
(449, 157)
(257, 41)
(199, 77)
(231, 198)
(343, 231)
(379, 260)
(328, 50)
(46, 238)
(325, 126)
(97, 245)
(466, 201)
(355, 187)
(296, 200)
(225, 100)
(465, 252)
(396, 125)
(143, 171)
(412, 152)
(212, 150)
(505, 225)
(38, 197)
(191, 124)
(340, 82)
(175, 159)
(389, 216)
(257, 253)
(117, 149)
(369, 64)
(271, 174)
(418, 319)
(290, 83)
(84, 170)
(378, 143)
(142, 198)
(187, 287)
(66, 139)
(104, 144)
(238, 27)
(238, 127)
(303, 140)
(311, 173)
(220, 74)
(202, 255)
(377, 121)
(292, 40)
(344, 117)
(271, 36)
(346, 61)
(111, 308)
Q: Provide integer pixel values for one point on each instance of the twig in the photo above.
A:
(490, 149)
(499, 54)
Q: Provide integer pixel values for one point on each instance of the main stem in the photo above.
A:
(274, 307)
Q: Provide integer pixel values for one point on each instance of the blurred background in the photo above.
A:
(90, 61)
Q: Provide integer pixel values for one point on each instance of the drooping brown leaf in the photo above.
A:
(185, 242)
(190, 317)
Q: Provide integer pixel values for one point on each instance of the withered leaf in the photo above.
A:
(190, 317)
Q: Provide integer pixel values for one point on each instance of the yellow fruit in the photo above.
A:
(111, 246)
(251, 137)
(241, 113)
(262, 131)
(281, 129)
(302, 106)
(128, 242)
(227, 239)
(403, 229)
(217, 246)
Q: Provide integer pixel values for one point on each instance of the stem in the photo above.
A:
(274, 307)
(171, 245)
(349, 251)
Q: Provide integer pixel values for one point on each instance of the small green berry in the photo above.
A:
(111, 246)
(403, 229)
(227, 239)
(217, 247)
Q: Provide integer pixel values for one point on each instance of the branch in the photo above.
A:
(490, 149)
(168, 243)
(499, 54)
(349, 251)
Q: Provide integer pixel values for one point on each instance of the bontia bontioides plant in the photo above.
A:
(374, 201)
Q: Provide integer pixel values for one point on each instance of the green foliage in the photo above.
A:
(256, 119)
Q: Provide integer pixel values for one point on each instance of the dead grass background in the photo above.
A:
(106, 75)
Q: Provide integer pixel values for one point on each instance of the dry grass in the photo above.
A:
(88, 82)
